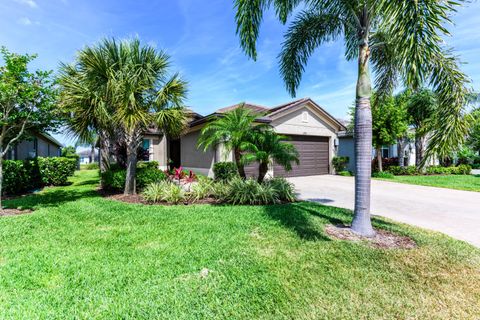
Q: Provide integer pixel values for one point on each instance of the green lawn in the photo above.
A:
(84, 257)
(459, 182)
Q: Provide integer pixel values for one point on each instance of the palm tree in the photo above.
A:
(144, 95)
(402, 39)
(86, 99)
(268, 146)
(233, 129)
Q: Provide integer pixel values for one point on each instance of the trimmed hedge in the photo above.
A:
(55, 171)
(225, 171)
(20, 176)
(114, 178)
(462, 169)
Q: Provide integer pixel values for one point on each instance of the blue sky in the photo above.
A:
(200, 37)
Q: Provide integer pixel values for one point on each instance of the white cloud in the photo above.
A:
(30, 3)
(25, 21)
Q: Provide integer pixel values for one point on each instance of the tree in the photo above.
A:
(422, 109)
(143, 95)
(86, 100)
(267, 146)
(234, 129)
(402, 39)
(120, 89)
(389, 123)
(474, 136)
(27, 102)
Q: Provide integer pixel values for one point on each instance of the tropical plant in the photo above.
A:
(422, 109)
(127, 88)
(267, 146)
(389, 123)
(249, 191)
(164, 191)
(225, 171)
(285, 190)
(474, 135)
(27, 102)
(402, 39)
(232, 129)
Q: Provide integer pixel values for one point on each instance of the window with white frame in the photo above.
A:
(304, 116)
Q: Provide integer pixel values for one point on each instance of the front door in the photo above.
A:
(174, 153)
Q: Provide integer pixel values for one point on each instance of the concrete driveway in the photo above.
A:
(454, 212)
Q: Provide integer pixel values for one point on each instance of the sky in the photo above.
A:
(200, 37)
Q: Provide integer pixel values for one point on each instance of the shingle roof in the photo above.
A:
(254, 107)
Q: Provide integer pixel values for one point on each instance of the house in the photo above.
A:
(311, 129)
(39, 144)
(85, 156)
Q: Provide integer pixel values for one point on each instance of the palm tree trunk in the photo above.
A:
(238, 161)
(104, 157)
(361, 223)
(262, 171)
(418, 150)
(130, 179)
(92, 153)
(401, 144)
(379, 159)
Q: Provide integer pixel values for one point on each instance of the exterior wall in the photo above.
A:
(196, 159)
(346, 148)
(158, 150)
(305, 121)
(45, 148)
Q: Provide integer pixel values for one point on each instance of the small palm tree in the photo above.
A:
(268, 146)
(233, 129)
(403, 40)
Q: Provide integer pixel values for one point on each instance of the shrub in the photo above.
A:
(285, 190)
(114, 178)
(89, 166)
(204, 188)
(55, 171)
(20, 176)
(251, 192)
(345, 173)
(464, 169)
(403, 171)
(225, 171)
(148, 164)
(461, 169)
(386, 163)
(340, 163)
(164, 191)
(384, 175)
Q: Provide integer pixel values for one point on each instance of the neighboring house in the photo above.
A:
(85, 156)
(39, 144)
(311, 129)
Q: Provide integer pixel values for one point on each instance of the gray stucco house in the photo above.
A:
(40, 144)
(312, 130)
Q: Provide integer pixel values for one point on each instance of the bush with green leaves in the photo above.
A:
(164, 191)
(462, 169)
(403, 171)
(90, 166)
(383, 174)
(203, 189)
(250, 192)
(56, 170)
(225, 171)
(114, 178)
(285, 190)
(20, 176)
(340, 163)
(345, 173)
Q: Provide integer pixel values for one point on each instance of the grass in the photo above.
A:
(459, 182)
(82, 256)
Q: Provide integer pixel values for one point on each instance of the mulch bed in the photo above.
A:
(13, 212)
(383, 239)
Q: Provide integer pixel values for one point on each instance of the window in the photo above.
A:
(304, 116)
(385, 152)
(146, 150)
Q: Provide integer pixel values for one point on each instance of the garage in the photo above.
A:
(313, 155)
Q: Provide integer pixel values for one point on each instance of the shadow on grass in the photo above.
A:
(50, 198)
(299, 217)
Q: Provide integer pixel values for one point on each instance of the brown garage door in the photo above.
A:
(313, 156)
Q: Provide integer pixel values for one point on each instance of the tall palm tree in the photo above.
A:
(267, 146)
(144, 95)
(402, 39)
(233, 129)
